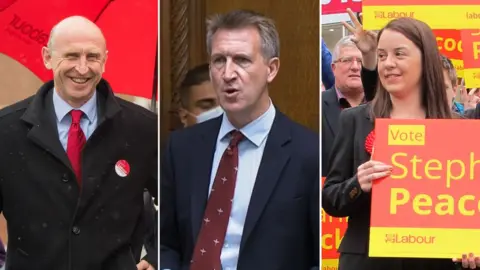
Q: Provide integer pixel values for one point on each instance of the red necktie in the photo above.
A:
(75, 143)
(206, 255)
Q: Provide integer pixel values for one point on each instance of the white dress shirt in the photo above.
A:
(250, 152)
(88, 122)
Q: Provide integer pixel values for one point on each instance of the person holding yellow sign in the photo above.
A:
(411, 86)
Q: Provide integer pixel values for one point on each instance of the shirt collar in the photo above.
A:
(62, 108)
(256, 131)
(339, 94)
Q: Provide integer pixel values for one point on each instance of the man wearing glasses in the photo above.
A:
(347, 92)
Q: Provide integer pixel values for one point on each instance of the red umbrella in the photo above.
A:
(25, 27)
(129, 26)
(131, 30)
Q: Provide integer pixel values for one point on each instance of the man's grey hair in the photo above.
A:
(270, 41)
(345, 41)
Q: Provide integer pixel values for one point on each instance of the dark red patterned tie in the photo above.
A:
(75, 143)
(206, 255)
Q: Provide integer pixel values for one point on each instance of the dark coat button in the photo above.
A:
(65, 178)
(76, 230)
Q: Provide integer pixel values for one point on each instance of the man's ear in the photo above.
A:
(183, 114)
(273, 67)
(333, 67)
(47, 57)
(105, 62)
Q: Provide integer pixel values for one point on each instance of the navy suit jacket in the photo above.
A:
(330, 114)
(281, 230)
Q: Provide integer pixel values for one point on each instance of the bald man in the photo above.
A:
(74, 162)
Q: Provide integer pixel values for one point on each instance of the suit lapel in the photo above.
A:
(104, 150)
(202, 160)
(275, 157)
(98, 158)
(332, 109)
(40, 115)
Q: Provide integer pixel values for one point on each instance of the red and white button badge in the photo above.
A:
(122, 168)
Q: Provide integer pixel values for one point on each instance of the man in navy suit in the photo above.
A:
(241, 191)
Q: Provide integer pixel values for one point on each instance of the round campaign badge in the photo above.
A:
(122, 168)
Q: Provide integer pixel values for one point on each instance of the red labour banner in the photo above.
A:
(340, 6)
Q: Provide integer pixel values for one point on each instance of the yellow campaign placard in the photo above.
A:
(421, 242)
(458, 64)
(471, 57)
(429, 206)
(329, 264)
(472, 77)
(461, 14)
(406, 135)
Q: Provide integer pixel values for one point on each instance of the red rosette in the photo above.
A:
(369, 141)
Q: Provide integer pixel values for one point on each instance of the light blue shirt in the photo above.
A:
(88, 123)
(249, 158)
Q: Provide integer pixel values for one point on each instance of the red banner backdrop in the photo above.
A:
(450, 44)
(340, 6)
(333, 230)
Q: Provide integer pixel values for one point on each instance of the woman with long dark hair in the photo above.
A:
(410, 87)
